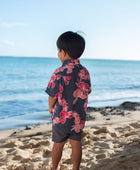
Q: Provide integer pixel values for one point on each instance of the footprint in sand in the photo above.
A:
(102, 145)
(2, 153)
(101, 130)
(47, 153)
(100, 156)
(21, 154)
(135, 125)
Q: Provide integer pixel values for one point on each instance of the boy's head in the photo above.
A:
(72, 43)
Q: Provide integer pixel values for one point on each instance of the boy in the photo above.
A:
(68, 91)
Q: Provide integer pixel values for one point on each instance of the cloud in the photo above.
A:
(9, 43)
(13, 24)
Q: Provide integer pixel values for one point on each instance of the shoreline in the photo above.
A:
(111, 134)
(121, 110)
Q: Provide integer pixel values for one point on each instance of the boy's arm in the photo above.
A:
(52, 102)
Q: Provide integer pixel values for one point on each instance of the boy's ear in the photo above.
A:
(63, 53)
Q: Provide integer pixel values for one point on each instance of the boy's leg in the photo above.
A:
(76, 153)
(56, 154)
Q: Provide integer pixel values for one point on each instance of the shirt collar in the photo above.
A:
(73, 61)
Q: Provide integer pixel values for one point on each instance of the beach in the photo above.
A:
(111, 141)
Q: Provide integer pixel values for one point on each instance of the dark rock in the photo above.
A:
(27, 128)
(130, 105)
(118, 112)
(104, 113)
(14, 132)
(90, 109)
(89, 117)
(108, 119)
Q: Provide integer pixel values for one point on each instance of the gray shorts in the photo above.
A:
(58, 136)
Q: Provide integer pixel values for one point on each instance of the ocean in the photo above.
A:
(23, 81)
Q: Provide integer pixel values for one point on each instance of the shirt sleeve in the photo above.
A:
(53, 88)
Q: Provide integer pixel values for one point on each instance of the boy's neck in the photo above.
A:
(67, 57)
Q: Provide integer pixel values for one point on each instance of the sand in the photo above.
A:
(111, 141)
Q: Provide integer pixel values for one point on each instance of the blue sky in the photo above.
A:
(31, 27)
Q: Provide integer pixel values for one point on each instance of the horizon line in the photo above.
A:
(80, 58)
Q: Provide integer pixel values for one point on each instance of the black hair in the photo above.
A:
(72, 43)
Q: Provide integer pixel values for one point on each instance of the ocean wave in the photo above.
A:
(114, 99)
(21, 91)
(8, 116)
(22, 121)
(131, 87)
(112, 102)
(23, 97)
(113, 87)
(103, 97)
(28, 115)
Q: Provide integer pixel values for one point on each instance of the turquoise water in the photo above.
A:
(24, 79)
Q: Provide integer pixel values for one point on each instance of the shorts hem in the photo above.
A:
(58, 136)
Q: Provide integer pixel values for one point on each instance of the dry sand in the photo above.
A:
(110, 142)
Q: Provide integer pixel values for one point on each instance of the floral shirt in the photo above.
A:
(70, 85)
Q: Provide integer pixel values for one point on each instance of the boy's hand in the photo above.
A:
(52, 102)
(50, 110)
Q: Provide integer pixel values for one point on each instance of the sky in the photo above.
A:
(111, 28)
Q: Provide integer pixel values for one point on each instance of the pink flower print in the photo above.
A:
(84, 74)
(85, 105)
(69, 67)
(70, 115)
(52, 81)
(53, 84)
(78, 94)
(63, 120)
(76, 128)
(64, 114)
(58, 77)
(61, 89)
(81, 92)
(56, 120)
(55, 107)
(75, 114)
(64, 104)
(61, 69)
(77, 120)
(58, 95)
(75, 61)
(84, 87)
(82, 124)
(67, 79)
(49, 84)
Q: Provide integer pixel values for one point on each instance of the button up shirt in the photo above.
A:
(70, 85)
